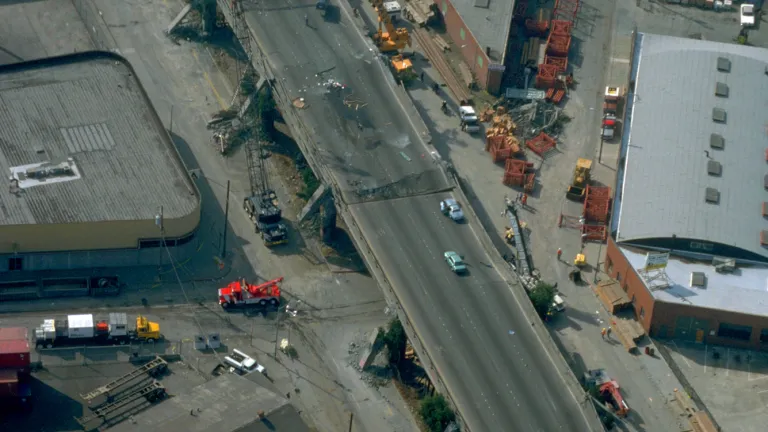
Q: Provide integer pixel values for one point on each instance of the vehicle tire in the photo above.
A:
(225, 305)
(262, 303)
(122, 342)
(274, 302)
(49, 346)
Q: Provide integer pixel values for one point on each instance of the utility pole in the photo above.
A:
(170, 126)
(351, 416)
(159, 224)
(226, 219)
(277, 329)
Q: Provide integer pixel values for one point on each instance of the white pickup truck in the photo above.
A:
(469, 121)
(747, 15)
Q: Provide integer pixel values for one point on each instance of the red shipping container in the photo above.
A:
(9, 383)
(14, 348)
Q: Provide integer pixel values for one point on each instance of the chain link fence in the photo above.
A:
(94, 22)
(113, 354)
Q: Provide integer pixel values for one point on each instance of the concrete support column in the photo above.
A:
(328, 219)
(208, 13)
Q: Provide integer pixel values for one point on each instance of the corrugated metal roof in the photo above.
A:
(490, 25)
(91, 108)
(669, 145)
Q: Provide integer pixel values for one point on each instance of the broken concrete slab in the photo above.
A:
(180, 17)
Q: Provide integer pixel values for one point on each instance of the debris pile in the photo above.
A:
(500, 138)
(226, 127)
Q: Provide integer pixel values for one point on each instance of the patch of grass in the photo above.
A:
(311, 183)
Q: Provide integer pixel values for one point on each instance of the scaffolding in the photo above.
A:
(154, 367)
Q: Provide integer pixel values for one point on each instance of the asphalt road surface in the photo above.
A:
(475, 332)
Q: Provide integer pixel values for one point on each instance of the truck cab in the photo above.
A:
(146, 329)
(469, 121)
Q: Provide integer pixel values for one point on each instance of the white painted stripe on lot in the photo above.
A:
(619, 60)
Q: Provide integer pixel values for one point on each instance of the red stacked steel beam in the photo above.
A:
(493, 140)
(598, 192)
(566, 10)
(515, 171)
(561, 27)
(541, 144)
(546, 77)
(594, 233)
(560, 62)
(558, 45)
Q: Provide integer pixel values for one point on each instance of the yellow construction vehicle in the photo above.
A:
(581, 178)
(146, 329)
(580, 260)
(388, 38)
(402, 68)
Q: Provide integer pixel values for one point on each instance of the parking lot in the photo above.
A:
(732, 383)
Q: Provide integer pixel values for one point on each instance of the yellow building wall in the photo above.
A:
(92, 235)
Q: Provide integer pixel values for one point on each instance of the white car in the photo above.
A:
(747, 15)
(452, 209)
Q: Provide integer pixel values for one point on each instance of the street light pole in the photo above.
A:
(226, 219)
(277, 329)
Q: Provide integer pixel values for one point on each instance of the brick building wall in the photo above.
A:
(487, 75)
(684, 322)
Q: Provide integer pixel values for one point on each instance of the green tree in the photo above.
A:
(542, 296)
(265, 110)
(396, 341)
(436, 413)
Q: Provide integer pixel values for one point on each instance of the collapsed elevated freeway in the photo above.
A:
(362, 139)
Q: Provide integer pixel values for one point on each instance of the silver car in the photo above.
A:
(451, 208)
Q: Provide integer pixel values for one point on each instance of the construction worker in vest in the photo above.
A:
(603, 332)
(559, 254)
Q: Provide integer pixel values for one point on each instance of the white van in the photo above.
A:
(558, 304)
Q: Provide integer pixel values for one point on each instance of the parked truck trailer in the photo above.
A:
(84, 329)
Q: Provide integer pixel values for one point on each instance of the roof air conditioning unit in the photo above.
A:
(724, 265)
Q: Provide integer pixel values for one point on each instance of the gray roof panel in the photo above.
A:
(671, 139)
(490, 25)
(89, 107)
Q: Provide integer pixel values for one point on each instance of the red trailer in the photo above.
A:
(14, 349)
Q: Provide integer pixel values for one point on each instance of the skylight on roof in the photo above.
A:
(718, 115)
(721, 89)
(716, 141)
(723, 64)
(712, 196)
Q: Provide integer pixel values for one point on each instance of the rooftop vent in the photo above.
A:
(724, 265)
(716, 141)
(723, 64)
(765, 181)
(712, 196)
(721, 89)
(764, 238)
(482, 3)
(714, 168)
(718, 115)
(765, 209)
(45, 171)
(698, 279)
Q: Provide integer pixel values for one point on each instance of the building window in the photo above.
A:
(642, 312)
(462, 34)
(733, 331)
(633, 299)
(764, 336)
(609, 263)
(15, 264)
(618, 277)
(480, 60)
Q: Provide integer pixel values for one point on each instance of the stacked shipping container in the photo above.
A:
(14, 363)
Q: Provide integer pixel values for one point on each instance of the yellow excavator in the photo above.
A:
(581, 176)
(392, 40)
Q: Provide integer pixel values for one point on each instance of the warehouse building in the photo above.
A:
(689, 235)
(93, 178)
(480, 29)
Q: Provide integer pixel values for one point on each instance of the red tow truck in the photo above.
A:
(242, 293)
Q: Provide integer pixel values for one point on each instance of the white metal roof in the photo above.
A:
(744, 291)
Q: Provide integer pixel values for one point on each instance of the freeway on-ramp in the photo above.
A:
(474, 329)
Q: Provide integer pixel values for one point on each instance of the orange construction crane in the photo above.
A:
(393, 39)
